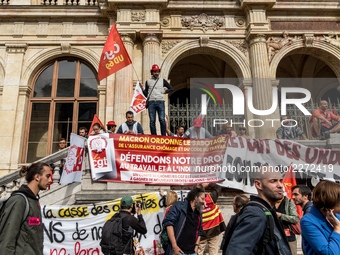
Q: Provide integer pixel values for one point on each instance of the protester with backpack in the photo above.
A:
(258, 230)
(21, 230)
(238, 202)
(286, 212)
(117, 234)
(171, 197)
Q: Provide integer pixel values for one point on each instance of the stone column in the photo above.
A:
(245, 85)
(262, 86)
(13, 108)
(123, 88)
(151, 55)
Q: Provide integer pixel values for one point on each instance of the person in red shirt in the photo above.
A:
(321, 121)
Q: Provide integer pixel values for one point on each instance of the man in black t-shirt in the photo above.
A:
(183, 223)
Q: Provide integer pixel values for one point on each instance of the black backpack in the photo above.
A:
(112, 236)
(267, 236)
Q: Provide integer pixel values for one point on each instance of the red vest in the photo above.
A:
(211, 215)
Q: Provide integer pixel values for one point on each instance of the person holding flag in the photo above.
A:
(154, 91)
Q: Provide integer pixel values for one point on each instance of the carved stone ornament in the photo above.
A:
(137, 16)
(165, 22)
(16, 48)
(241, 45)
(309, 39)
(65, 47)
(275, 44)
(332, 39)
(203, 22)
(168, 45)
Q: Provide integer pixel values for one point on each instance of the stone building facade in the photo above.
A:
(50, 51)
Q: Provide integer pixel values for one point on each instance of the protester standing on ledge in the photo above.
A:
(154, 91)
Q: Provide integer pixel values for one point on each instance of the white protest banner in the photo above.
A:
(101, 153)
(77, 229)
(138, 103)
(243, 156)
(72, 171)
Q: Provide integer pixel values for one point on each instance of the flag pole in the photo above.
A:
(135, 72)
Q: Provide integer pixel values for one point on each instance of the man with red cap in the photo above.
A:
(154, 91)
(197, 131)
(111, 126)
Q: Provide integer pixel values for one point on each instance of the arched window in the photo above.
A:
(64, 98)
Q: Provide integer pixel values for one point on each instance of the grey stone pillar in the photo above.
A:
(262, 86)
(151, 55)
(123, 90)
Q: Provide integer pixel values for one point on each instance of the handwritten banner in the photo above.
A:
(77, 229)
(155, 159)
(243, 156)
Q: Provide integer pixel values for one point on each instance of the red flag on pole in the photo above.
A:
(114, 56)
(94, 121)
(138, 103)
(289, 181)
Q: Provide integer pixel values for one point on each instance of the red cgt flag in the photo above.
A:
(289, 181)
(114, 56)
(138, 103)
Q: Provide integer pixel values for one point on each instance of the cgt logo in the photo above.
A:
(238, 100)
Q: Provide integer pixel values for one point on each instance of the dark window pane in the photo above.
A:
(86, 111)
(43, 86)
(66, 79)
(67, 69)
(38, 134)
(88, 82)
(65, 88)
(62, 123)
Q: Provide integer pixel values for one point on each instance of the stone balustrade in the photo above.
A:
(13, 181)
(50, 2)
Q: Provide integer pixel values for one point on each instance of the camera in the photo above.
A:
(138, 204)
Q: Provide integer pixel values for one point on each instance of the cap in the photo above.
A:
(198, 122)
(155, 67)
(111, 123)
(126, 201)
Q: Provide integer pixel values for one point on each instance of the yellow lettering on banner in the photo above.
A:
(167, 141)
(132, 138)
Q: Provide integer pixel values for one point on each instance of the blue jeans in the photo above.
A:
(159, 107)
